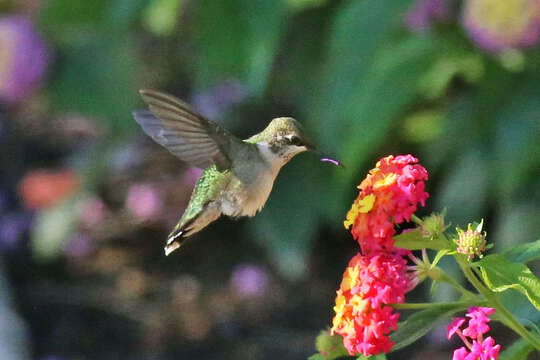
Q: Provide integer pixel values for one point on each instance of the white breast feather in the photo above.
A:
(259, 192)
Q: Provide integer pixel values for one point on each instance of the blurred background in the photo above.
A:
(86, 199)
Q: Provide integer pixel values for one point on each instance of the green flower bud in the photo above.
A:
(433, 225)
(472, 241)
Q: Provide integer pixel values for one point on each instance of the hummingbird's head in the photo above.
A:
(285, 137)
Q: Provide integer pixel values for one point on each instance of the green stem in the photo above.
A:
(416, 219)
(506, 315)
(454, 283)
(412, 306)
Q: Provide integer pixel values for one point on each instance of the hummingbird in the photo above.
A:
(238, 175)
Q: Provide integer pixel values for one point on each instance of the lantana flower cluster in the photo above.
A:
(477, 348)
(388, 196)
(378, 276)
(362, 316)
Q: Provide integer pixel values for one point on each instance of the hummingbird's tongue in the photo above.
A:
(335, 162)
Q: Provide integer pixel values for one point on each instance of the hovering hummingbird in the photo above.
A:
(238, 174)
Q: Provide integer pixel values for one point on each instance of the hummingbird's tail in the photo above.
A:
(174, 241)
(191, 223)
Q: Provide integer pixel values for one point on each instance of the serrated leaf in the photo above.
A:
(419, 323)
(413, 240)
(519, 350)
(523, 253)
(499, 274)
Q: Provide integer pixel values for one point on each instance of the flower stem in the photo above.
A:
(454, 283)
(416, 219)
(493, 301)
(425, 305)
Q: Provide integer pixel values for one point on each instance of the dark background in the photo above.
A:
(86, 199)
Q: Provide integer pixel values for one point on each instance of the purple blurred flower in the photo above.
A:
(144, 201)
(217, 100)
(23, 58)
(424, 13)
(498, 25)
(91, 211)
(249, 281)
(78, 247)
(12, 228)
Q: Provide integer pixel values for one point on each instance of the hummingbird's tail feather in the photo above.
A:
(173, 242)
(191, 224)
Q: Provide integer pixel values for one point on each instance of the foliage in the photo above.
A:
(357, 74)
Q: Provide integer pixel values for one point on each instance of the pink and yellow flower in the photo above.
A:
(379, 276)
(389, 195)
(362, 312)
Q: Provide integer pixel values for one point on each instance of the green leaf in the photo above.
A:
(238, 39)
(519, 350)
(516, 145)
(419, 323)
(413, 240)
(464, 190)
(316, 357)
(381, 97)
(77, 21)
(372, 357)
(516, 221)
(330, 347)
(368, 78)
(499, 274)
(523, 253)
(99, 80)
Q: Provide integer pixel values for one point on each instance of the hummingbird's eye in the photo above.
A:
(295, 140)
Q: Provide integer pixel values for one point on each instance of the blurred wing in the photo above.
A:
(188, 135)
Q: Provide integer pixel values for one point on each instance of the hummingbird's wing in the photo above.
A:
(185, 133)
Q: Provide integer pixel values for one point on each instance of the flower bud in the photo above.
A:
(433, 225)
(471, 242)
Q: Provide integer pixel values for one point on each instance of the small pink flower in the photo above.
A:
(460, 354)
(454, 327)
(91, 212)
(484, 350)
(477, 347)
(143, 201)
(478, 322)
